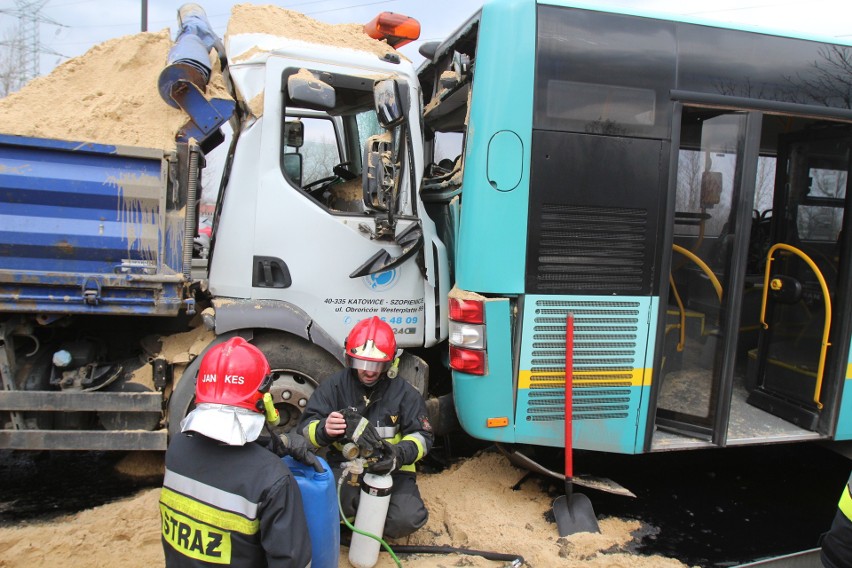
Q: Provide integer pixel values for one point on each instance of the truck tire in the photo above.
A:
(299, 367)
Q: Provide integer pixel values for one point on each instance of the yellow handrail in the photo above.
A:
(826, 328)
(701, 264)
(682, 337)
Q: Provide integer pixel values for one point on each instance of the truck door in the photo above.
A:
(800, 344)
(321, 243)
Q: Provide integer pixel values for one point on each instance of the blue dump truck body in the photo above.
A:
(90, 229)
(95, 254)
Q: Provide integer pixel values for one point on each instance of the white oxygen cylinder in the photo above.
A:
(370, 518)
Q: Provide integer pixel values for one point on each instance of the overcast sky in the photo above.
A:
(85, 23)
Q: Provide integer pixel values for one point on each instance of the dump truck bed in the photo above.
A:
(90, 228)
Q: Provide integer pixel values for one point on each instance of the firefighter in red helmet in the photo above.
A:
(385, 416)
(227, 500)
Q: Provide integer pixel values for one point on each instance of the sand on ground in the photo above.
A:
(472, 505)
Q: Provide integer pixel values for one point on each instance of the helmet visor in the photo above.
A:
(366, 365)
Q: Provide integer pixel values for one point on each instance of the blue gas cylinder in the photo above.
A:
(319, 499)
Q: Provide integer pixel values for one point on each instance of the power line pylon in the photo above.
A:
(30, 17)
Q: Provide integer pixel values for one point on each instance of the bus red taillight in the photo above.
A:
(467, 311)
(467, 336)
(469, 361)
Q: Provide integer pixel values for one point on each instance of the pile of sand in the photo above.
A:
(108, 95)
(471, 505)
(272, 20)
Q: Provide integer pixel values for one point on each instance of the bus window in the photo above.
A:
(820, 216)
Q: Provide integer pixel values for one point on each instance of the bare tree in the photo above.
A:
(690, 166)
(831, 81)
(764, 184)
(319, 159)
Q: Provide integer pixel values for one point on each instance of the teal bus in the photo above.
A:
(679, 188)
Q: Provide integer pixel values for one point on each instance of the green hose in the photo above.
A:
(359, 531)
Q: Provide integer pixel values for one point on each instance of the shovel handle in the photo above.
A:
(569, 393)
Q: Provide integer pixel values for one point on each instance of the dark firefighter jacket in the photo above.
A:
(837, 542)
(230, 506)
(393, 407)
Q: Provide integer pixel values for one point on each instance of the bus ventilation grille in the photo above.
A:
(605, 338)
(591, 249)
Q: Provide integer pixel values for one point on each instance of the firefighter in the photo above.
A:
(837, 542)
(385, 416)
(227, 500)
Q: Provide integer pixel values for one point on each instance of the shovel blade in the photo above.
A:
(574, 514)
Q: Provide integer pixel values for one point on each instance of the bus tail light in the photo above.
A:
(396, 29)
(467, 336)
(467, 360)
(467, 311)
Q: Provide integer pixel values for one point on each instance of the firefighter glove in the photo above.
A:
(388, 462)
(300, 449)
(360, 431)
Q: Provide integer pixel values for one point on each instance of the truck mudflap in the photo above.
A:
(93, 229)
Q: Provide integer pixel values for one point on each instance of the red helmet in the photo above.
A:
(370, 346)
(235, 373)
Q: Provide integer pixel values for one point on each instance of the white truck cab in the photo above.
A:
(319, 223)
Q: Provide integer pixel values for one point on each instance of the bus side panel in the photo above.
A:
(844, 418)
(612, 381)
(480, 398)
(492, 252)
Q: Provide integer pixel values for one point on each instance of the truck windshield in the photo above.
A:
(368, 125)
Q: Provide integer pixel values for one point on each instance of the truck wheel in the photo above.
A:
(182, 399)
(298, 365)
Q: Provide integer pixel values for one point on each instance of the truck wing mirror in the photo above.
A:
(379, 170)
(389, 108)
(294, 133)
(292, 165)
(410, 240)
(304, 89)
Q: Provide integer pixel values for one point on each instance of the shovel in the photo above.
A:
(573, 511)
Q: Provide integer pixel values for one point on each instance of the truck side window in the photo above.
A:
(320, 151)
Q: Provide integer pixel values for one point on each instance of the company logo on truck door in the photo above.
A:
(381, 281)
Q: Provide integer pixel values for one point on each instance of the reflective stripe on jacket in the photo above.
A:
(392, 406)
(230, 506)
(837, 542)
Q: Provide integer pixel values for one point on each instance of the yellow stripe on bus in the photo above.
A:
(633, 378)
